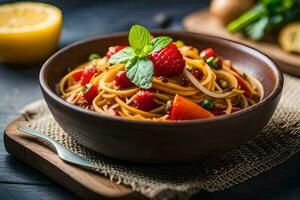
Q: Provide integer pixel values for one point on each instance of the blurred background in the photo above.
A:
(88, 18)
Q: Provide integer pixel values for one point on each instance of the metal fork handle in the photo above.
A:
(62, 151)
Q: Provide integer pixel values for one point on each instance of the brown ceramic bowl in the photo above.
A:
(162, 142)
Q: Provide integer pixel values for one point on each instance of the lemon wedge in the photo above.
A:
(29, 31)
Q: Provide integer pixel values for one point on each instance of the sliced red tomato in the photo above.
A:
(183, 109)
(77, 75)
(90, 92)
(114, 49)
(207, 53)
(244, 85)
(87, 75)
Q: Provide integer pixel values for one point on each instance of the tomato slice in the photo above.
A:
(90, 92)
(77, 75)
(207, 53)
(114, 49)
(87, 75)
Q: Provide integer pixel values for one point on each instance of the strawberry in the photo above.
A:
(87, 75)
(183, 109)
(167, 61)
(90, 91)
(122, 81)
(77, 75)
(144, 100)
(114, 49)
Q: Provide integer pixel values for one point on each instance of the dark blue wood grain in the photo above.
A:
(40, 192)
(15, 171)
(86, 18)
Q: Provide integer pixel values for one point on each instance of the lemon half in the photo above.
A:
(289, 37)
(29, 31)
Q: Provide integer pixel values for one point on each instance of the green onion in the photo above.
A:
(86, 88)
(246, 19)
(93, 56)
(169, 104)
(213, 62)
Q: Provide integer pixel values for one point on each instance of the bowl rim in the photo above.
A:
(274, 67)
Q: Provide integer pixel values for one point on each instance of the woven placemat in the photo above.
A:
(276, 143)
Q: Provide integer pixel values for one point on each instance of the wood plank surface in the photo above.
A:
(11, 171)
(84, 183)
(202, 22)
(40, 192)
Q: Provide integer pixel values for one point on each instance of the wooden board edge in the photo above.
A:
(37, 161)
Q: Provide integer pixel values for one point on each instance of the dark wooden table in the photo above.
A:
(89, 18)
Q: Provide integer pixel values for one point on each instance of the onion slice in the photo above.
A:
(227, 77)
(258, 86)
(196, 83)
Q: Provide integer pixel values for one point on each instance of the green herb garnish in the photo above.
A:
(86, 88)
(93, 56)
(207, 104)
(168, 105)
(213, 62)
(139, 69)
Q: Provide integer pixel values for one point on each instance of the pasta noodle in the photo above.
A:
(228, 88)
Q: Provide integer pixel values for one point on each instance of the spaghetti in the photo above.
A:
(219, 91)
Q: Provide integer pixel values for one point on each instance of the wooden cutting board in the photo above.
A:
(202, 22)
(85, 184)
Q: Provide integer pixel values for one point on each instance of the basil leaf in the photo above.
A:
(160, 43)
(140, 71)
(146, 50)
(122, 56)
(139, 37)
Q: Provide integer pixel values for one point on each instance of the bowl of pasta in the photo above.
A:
(160, 97)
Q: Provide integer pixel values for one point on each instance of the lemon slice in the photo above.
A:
(289, 37)
(29, 32)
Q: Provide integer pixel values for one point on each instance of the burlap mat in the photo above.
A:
(276, 143)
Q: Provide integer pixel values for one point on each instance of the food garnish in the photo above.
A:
(122, 81)
(139, 68)
(168, 61)
(208, 104)
(144, 100)
(90, 91)
(93, 56)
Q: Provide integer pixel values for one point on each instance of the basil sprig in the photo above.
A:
(139, 69)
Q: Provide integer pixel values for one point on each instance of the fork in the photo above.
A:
(62, 151)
